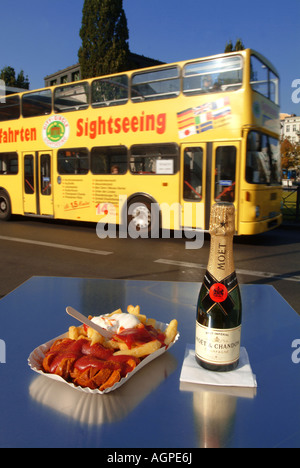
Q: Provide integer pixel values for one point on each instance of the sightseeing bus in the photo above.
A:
(178, 137)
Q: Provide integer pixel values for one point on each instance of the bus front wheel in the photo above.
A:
(5, 206)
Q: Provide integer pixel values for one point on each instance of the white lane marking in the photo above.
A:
(259, 274)
(56, 246)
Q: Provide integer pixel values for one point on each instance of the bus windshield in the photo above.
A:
(264, 80)
(263, 159)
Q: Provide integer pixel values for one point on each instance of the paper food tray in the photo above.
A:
(36, 358)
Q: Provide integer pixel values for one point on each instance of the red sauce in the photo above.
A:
(97, 350)
(80, 355)
(85, 362)
(127, 363)
(123, 358)
(140, 335)
(68, 350)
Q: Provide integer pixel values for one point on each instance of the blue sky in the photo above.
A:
(42, 37)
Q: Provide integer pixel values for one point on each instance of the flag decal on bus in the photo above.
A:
(186, 123)
(206, 117)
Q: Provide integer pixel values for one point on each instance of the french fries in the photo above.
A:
(87, 359)
(75, 333)
(171, 332)
(142, 350)
(136, 311)
(94, 336)
(137, 350)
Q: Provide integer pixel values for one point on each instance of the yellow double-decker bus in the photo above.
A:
(178, 137)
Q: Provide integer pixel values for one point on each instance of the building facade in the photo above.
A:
(290, 128)
(70, 74)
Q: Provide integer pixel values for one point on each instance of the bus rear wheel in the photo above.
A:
(5, 206)
(142, 216)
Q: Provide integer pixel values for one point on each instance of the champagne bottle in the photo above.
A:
(219, 309)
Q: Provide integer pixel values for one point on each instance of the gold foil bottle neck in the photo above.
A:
(222, 219)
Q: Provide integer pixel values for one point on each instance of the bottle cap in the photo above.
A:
(222, 219)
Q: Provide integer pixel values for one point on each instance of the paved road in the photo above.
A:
(35, 247)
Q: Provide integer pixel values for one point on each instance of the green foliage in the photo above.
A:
(290, 154)
(8, 75)
(228, 47)
(104, 35)
(238, 46)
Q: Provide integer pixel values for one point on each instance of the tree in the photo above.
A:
(238, 46)
(228, 47)
(290, 154)
(104, 35)
(22, 81)
(8, 75)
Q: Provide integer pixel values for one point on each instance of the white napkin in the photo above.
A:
(242, 376)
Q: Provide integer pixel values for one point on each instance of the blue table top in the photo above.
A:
(152, 409)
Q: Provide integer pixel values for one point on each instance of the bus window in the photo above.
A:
(73, 161)
(259, 76)
(10, 108)
(158, 84)
(38, 103)
(273, 87)
(9, 163)
(109, 160)
(154, 159)
(193, 165)
(225, 173)
(45, 174)
(29, 174)
(263, 159)
(71, 97)
(263, 80)
(110, 91)
(211, 76)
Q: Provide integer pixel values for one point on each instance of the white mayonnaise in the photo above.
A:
(117, 322)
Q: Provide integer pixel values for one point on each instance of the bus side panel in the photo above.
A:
(12, 184)
(73, 197)
(260, 210)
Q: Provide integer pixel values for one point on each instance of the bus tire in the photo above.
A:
(143, 216)
(5, 206)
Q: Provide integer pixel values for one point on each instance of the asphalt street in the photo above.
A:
(37, 247)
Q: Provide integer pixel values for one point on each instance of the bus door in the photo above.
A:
(37, 195)
(193, 165)
(225, 168)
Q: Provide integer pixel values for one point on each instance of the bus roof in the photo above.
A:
(165, 65)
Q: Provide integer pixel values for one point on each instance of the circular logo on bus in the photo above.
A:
(56, 131)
